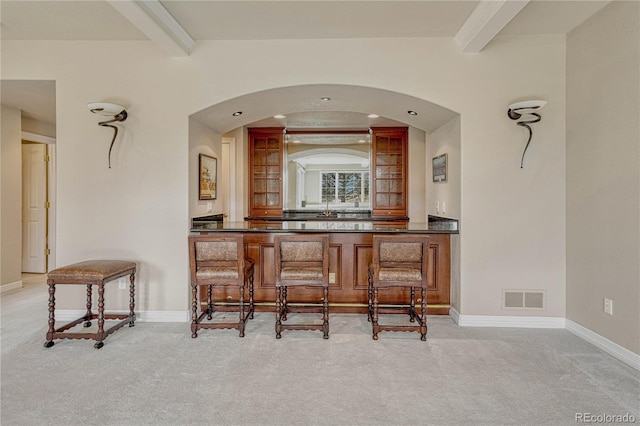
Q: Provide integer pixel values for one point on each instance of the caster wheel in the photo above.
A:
(278, 336)
(98, 345)
(131, 324)
(48, 344)
(87, 324)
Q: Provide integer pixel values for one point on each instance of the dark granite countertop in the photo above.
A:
(434, 227)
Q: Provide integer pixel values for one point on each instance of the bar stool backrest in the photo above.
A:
(217, 259)
(302, 259)
(400, 260)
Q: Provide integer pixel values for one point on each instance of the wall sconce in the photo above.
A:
(116, 111)
(525, 112)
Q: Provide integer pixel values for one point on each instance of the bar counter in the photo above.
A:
(350, 250)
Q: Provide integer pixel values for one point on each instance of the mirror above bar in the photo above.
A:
(327, 171)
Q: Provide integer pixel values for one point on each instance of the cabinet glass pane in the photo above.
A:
(395, 171)
(382, 159)
(259, 185)
(260, 144)
(273, 144)
(395, 159)
(273, 158)
(382, 185)
(395, 144)
(382, 171)
(259, 199)
(273, 185)
(273, 199)
(395, 185)
(273, 172)
(259, 172)
(382, 143)
(259, 158)
(382, 200)
(395, 200)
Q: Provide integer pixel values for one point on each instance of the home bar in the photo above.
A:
(349, 185)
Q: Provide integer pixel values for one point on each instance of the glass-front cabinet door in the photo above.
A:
(389, 156)
(265, 169)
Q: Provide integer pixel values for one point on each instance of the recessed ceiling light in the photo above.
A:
(373, 116)
(279, 116)
(325, 99)
(296, 141)
(237, 113)
(411, 112)
(362, 141)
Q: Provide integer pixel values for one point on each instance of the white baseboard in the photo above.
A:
(66, 315)
(507, 321)
(613, 349)
(11, 287)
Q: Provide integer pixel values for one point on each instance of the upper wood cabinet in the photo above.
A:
(389, 169)
(265, 171)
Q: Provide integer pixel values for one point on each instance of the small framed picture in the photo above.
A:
(440, 168)
(208, 185)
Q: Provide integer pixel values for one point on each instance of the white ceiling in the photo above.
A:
(240, 19)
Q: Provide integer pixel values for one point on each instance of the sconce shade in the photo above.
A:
(116, 111)
(104, 108)
(525, 111)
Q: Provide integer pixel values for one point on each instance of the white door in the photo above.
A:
(34, 212)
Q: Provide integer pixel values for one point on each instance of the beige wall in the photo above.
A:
(445, 140)
(139, 209)
(603, 173)
(203, 140)
(11, 195)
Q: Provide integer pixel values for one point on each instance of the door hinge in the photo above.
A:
(47, 251)
(47, 158)
(47, 205)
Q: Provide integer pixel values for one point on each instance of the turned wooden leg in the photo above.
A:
(251, 303)
(374, 314)
(412, 305)
(325, 313)
(194, 311)
(88, 315)
(284, 303)
(52, 319)
(423, 314)
(132, 299)
(209, 302)
(278, 312)
(369, 295)
(100, 334)
(241, 308)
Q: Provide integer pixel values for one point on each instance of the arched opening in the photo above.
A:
(432, 129)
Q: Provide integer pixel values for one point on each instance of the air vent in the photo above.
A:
(523, 299)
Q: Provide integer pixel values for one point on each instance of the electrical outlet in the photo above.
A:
(122, 283)
(332, 277)
(608, 306)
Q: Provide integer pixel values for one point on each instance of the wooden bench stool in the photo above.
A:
(90, 273)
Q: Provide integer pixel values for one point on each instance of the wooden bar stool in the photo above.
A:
(90, 273)
(219, 260)
(301, 260)
(399, 261)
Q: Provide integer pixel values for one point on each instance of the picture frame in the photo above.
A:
(208, 177)
(439, 164)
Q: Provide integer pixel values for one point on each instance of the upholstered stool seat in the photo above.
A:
(399, 261)
(90, 273)
(218, 260)
(301, 261)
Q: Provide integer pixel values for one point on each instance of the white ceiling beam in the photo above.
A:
(485, 22)
(156, 22)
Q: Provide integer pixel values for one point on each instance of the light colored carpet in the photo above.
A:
(156, 374)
